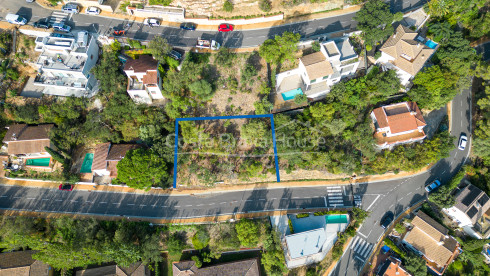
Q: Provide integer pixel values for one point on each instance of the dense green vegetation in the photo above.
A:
(374, 20)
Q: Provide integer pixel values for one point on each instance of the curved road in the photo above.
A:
(177, 37)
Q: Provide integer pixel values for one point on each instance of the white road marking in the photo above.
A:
(357, 257)
(367, 251)
(116, 203)
(325, 198)
(45, 199)
(31, 198)
(142, 205)
(3, 196)
(362, 234)
(103, 202)
(360, 244)
(59, 200)
(176, 206)
(188, 205)
(213, 203)
(199, 204)
(354, 242)
(17, 197)
(130, 204)
(372, 203)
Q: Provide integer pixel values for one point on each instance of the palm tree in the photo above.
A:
(440, 30)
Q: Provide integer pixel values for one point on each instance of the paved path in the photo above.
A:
(182, 38)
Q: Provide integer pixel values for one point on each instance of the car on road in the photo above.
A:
(43, 23)
(225, 28)
(152, 22)
(463, 140)
(434, 185)
(30, 1)
(386, 220)
(175, 55)
(71, 8)
(65, 187)
(61, 27)
(92, 10)
(15, 19)
(188, 26)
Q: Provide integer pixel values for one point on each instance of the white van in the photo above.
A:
(15, 19)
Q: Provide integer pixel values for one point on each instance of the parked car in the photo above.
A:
(71, 8)
(43, 24)
(92, 10)
(152, 22)
(61, 27)
(188, 26)
(225, 28)
(386, 220)
(15, 19)
(175, 55)
(29, 1)
(434, 185)
(462, 142)
(65, 187)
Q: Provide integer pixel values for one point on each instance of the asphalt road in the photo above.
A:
(177, 37)
(484, 49)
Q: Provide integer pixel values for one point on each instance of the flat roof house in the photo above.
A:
(107, 156)
(65, 63)
(406, 52)
(397, 124)
(144, 79)
(432, 241)
(28, 141)
(21, 263)
(470, 212)
(249, 267)
(318, 71)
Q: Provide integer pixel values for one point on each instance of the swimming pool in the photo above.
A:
(39, 162)
(336, 219)
(291, 94)
(431, 44)
(87, 163)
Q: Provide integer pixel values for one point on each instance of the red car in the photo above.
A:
(65, 187)
(225, 28)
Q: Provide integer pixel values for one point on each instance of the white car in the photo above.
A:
(92, 10)
(462, 142)
(153, 22)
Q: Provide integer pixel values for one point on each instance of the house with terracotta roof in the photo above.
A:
(471, 212)
(396, 124)
(249, 267)
(135, 269)
(407, 52)
(107, 156)
(317, 72)
(392, 267)
(144, 79)
(431, 240)
(21, 263)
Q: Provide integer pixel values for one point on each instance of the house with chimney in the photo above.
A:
(407, 52)
(144, 80)
(248, 267)
(106, 157)
(134, 269)
(392, 267)
(471, 212)
(21, 263)
(432, 241)
(396, 124)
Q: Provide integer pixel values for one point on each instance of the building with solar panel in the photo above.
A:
(471, 212)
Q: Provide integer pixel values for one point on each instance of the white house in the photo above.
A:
(144, 79)
(65, 63)
(406, 52)
(470, 212)
(317, 72)
(397, 124)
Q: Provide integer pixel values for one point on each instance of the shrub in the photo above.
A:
(175, 245)
(160, 2)
(116, 46)
(291, 229)
(377, 55)
(337, 250)
(300, 99)
(315, 46)
(200, 239)
(197, 261)
(369, 47)
(135, 44)
(247, 232)
(303, 215)
(56, 155)
(228, 6)
(265, 5)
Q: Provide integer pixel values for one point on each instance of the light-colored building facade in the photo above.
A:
(317, 72)
(144, 79)
(396, 124)
(470, 212)
(406, 52)
(65, 63)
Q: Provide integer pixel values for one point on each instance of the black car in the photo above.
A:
(188, 26)
(43, 24)
(175, 55)
(386, 220)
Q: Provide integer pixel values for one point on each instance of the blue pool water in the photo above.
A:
(431, 44)
(336, 219)
(291, 94)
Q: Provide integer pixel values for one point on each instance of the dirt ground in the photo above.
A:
(251, 7)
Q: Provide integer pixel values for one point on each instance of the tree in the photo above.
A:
(228, 6)
(255, 133)
(439, 8)
(197, 261)
(280, 48)
(435, 88)
(159, 48)
(374, 20)
(141, 169)
(202, 89)
(441, 31)
(247, 232)
(416, 265)
(108, 74)
(442, 197)
(175, 245)
(224, 57)
(315, 46)
(201, 239)
(398, 16)
(265, 5)
(300, 99)
(263, 106)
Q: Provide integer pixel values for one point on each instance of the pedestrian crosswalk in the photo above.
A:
(58, 17)
(335, 196)
(361, 248)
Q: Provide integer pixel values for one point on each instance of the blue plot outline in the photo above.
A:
(176, 145)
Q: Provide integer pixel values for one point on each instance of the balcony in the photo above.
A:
(134, 84)
(73, 83)
(58, 61)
